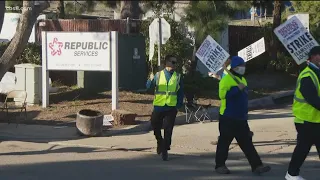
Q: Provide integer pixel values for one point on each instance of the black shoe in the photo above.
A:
(159, 147)
(223, 170)
(262, 169)
(169, 148)
(165, 155)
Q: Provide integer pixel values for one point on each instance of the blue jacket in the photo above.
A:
(234, 102)
(180, 94)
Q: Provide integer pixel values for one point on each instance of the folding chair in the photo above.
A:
(192, 109)
(204, 114)
(20, 98)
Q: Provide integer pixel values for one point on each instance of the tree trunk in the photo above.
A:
(2, 12)
(61, 9)
(28, 18)
(130, 9)
(276, 23)
(194, 60)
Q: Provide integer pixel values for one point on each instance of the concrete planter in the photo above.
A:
(89, 122)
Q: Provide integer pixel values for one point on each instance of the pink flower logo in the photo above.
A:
(55, 47)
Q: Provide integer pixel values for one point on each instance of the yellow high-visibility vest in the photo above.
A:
(302, 110)
(224, 86)
(166, 92)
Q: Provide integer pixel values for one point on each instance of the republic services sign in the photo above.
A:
(87, 51)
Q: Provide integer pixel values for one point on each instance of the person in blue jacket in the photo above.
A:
(168, 99)
(220, 74)
(233, 119)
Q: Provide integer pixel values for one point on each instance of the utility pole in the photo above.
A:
(159, 43)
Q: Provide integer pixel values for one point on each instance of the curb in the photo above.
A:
(254, 104)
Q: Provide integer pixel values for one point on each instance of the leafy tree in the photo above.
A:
(159, 7)
(240, 6)
(178, 44)
(130, 9)
(14, 4)
(76, 8)
(126, 9)
(208, 18)
(20, 38)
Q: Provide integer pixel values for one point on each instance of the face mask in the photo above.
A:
(313, 65)
(240, 70)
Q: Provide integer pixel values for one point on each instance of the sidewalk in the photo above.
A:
(274, 132)
(193, 146)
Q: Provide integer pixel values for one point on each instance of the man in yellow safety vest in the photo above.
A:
(306, 109)
(168, 98)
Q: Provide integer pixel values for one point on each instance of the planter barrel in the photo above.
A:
(89, 122)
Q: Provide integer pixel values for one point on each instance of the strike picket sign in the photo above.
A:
(212, 55)
(296, 38)
(253, 50)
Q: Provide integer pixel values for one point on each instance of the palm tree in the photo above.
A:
(208, 18)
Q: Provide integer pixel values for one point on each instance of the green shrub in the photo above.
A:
(31, 54)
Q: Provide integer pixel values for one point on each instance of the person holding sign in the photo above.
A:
(306, 109)
(221, 72)
(168, 98)
(233, 119)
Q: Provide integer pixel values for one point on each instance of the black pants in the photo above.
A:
(157, 120)
(229, 129)
(308, 135)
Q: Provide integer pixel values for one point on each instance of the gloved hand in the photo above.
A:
(151, 76)
(241, 86)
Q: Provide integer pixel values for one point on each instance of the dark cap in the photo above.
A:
(236, 61)
(314, 51)
(168, 58)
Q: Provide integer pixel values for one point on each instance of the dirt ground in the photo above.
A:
(65, 104)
